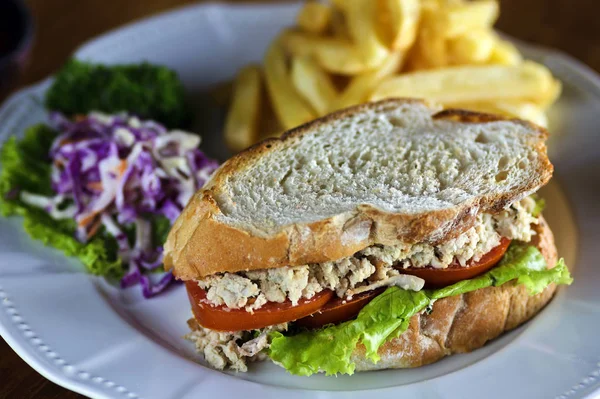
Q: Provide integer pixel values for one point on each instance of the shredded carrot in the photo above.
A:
(98, 186)
(94, 185)
(67, 141)
(94, 228)
(122, 167)
(87, 220)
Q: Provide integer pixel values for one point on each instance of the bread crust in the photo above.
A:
(464, 322)
(199, 244)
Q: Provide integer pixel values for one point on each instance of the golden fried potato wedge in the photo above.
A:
(471, 48)
(241, 125)
(289, 106)
(505, 53)
(361, 21)
(335, 55)
(398, 21)
(361, 86)
(458, 19)
(527, 82)
(314, 17)
(516, 109)
(313, 83)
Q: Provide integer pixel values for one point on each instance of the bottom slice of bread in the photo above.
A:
(465, 322)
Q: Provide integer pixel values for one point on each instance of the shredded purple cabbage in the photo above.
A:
(114, 171)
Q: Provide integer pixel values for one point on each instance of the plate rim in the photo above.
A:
(27, 350)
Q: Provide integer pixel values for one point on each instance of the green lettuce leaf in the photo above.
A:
(25, 166)
(388, 317)
(149, 91)
(462, 287)
(160, 229)
(540, 204)
(523, 263)
(99, 255)
(329, 349)
(526, 264)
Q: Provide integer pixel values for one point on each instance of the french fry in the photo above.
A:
(516, 109)
(313, 83)
(433, 49)
(527, 82)
(473, 47)
(431, 4)
(442, 3)
(453, 2)
(505, 53)
(302, 44)
(415, 61)
(471, 15)
(430, 50)
(457, 19)
(314, 17)
(397, 22)
(335, 55)
(347, 52)
(360, 19)
(338, 26)
(551, 95)
(361, 86)
(290, 108)
(242, 119)
(269, 125)
(523, 110)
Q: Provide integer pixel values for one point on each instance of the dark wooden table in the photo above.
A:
(62, 25)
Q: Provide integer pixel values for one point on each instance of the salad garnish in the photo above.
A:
(125, 178)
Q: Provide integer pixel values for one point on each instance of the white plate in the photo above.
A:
(95, 339)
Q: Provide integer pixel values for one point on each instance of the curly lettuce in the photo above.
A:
(387, 316)
(540, 204)
(149, 91)
(329, 349)
(25, 166)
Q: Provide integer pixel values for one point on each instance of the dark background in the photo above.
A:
(62, 25)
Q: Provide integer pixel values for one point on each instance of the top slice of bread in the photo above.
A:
(381, 173)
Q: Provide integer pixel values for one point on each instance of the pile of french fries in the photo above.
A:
(347, 52)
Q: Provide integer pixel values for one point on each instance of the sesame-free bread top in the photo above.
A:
(380, 173)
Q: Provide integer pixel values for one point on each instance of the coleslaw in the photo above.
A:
(125, 177)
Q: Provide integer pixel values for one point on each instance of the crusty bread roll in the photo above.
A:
(250, 215)
(465, 322)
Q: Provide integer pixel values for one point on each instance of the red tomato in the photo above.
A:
(455, 272)
(322, 309)
(222, 318)
(339, 310)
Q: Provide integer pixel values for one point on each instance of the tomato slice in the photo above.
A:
(339, 310)
(454, 273)
(323, 308)
(222, 318)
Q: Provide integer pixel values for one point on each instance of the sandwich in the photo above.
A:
(387, 235)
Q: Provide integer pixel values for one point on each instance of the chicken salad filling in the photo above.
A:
(375, 266)
(232, 350)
